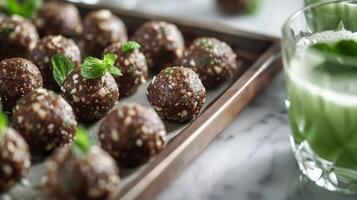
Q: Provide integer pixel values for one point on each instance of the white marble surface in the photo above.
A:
(252, 158)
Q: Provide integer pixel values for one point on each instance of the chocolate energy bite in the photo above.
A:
(45, 120)
(91, 99)
(132, 134)
(177, 94)
(162, 43)
(133, 66)
(14, 158)
(58, 18)
(102, 28)
(18, 77)
(49, 46)
(234, 6)
(214, 61)
(92, 176)
(18, 37)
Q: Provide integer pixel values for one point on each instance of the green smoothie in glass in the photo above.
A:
(320, 65)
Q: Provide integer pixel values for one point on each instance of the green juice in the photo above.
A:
(322, 104)
(331, 16)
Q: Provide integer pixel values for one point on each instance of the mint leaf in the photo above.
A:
(82, 143)
(61, 66)
(93, 68)
(130, 46)
(3, 122)
(109, 59)
(115, 71)
(24, 8)
(6, 30)
(252, 7)
(340, 56)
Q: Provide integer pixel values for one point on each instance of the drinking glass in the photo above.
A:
(322, 94)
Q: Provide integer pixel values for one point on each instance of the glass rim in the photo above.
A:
(293, 16)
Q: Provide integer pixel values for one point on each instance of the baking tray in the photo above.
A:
(259, 58)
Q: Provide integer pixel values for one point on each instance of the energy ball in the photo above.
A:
(91, 99)
(76, 177)
(132, 65)
(18, 77)
(58, 18)
(213, 60)
(177, 94)
(102, 28)
(14, 158)
(234, 6)
(132, 135)
(18, 37)
(162, 43)
(49, 46)
(45, 120)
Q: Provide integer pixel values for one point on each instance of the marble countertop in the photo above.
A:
(251, 159)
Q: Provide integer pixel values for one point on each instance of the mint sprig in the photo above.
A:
(82, 143)
(3, 122)
(93, 68)
(24, 8)
(61, 66)
(341, 55)
(130, 46)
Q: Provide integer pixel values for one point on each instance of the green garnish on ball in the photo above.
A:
(61, 66)
(3, 122)
(93, 68)
(24, 8)
(82, 143)
(130, 46)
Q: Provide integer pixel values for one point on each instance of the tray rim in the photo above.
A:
(224, 28)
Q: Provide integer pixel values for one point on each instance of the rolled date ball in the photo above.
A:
(58, 18)
(49, 46)
(14, 158)
(76, 177)
(45, 120)
(214, 61)
(132, 65)
(177, 94)
(102, 28)
(18, 77)
(161, 42)
(18, 37)
(132, 134)
(91, 99)
(233, 6)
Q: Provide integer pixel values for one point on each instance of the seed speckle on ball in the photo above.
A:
(18, 37)
(71, 176)
(18, 77)
(14, 158)
(102, 28)
(162, 43)
(58, 18)
(177, 94)
(132, 134)
(49, 46)
(45, 120)
(213, 60)
(132, 65)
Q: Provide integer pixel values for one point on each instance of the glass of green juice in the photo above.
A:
(320, 66)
